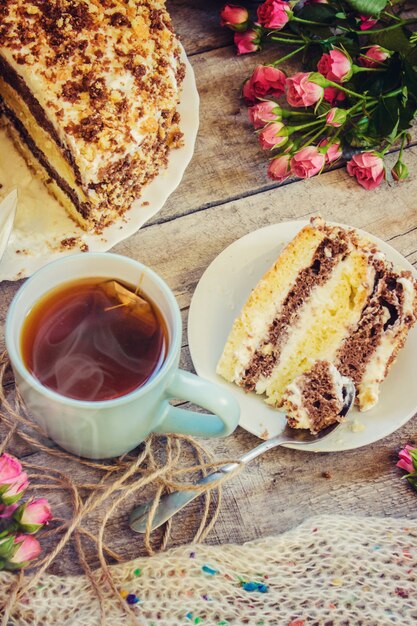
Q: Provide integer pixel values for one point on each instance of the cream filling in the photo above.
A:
(41, 138)
(325, 321)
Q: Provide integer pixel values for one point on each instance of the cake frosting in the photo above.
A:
(90, 90)
(331, 296)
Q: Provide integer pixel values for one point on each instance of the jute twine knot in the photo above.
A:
(159, 462)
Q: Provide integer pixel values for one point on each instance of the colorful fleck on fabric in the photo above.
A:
(330, 570)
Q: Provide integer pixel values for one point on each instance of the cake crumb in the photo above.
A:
(326, 475)
(146, 203)
(356, 426)
(264, 434)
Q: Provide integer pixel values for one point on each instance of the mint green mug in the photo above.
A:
(109, 428)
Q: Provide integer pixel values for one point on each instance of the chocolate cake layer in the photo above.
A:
(320, 399)
(27, 140)
(19, 85)
(328, 254)
(383, 309)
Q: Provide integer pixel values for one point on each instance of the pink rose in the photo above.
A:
(279, 169)
(10, 468)
(247, 42)
(234, 16)
(273, 136)
(265, 81)
(406, 461)
(274, 13)
(334, 95)
(336, 117)
(15, 489)
(28, 548)
(307, 162)
(33, 514)
(333, 150)
(374, 56)
(367, 22)
(301, 92)
(336, 66)
(264, 112)
(368, 168)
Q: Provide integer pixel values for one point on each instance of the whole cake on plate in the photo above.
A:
(90, 90)
(331, 296)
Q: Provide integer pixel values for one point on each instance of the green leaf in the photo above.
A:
(412, 479)
(385, 118)
(324, 13)
(367, 7)
(410, 78)
(395, 40)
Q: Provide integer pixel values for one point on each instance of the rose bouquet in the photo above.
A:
(18, 521)
(356, 98)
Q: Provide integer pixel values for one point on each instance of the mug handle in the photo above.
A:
(190, 387)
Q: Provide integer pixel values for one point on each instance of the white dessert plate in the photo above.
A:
(218, 299)
(41, 223)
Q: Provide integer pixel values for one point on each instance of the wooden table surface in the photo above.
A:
(225, 194)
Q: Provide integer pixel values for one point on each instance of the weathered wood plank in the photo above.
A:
(279, 490)
(198, 24)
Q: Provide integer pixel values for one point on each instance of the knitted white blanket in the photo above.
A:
(329, 571)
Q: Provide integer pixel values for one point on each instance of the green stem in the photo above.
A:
(358, 70)
(311, 139)
(302, 126)
(288, 56)
(298, 19)
(391, 16)
(348, 91)
(285, 41)
(373, 31)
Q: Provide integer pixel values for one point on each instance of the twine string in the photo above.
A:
(159, 463)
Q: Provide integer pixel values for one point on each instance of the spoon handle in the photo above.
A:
(171, 503)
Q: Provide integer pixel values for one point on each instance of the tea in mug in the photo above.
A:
(94, 339)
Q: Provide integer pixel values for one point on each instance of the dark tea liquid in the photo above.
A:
(78, 343)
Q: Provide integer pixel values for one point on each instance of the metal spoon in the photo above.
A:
(171, 503)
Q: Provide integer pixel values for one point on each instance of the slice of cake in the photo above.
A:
(90, 91)
(317, 398)
(330, 296)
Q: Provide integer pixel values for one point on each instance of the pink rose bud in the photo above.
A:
(265, 81)
(274, 14)
(374, 56)
(406, 461)
(368, 168)
(334, 95)
(333, 150)
(399, 171)
(336, 117)
(247, 42)
(16, 489)
(234, 16)
(264, 112)
(336, 66)
(6, 547)
(367, 22)
(10, 468)
(27, 548)
(279, 169)
(274, 135)
(7, 511)
(33, 515)
(301, 91)
(307, 162)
